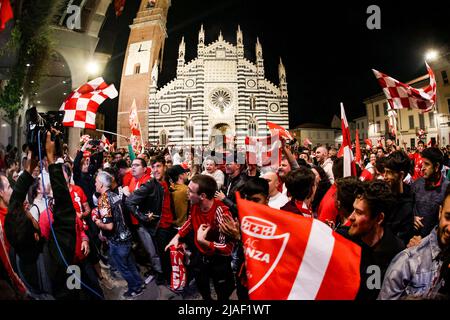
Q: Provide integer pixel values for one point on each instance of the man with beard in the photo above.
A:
(401, 220)
(429, 192)
(379, 245)
(421, 271)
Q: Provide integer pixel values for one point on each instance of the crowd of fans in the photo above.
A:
(105, 210)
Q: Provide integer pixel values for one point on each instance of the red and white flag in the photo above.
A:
(106, 142)
(134, 120)
(392, 114)
(263, 151)
(6, 13)
(82, 104)
(346, 147)
(307, 142)
(368, 142)
(178, 275)
(282, 132)
(119, 5)
(358, 157)
(290, 257)
(400, 95)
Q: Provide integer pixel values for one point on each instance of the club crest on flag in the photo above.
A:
(267, 253)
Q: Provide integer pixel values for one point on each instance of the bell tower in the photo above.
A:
(145, 48)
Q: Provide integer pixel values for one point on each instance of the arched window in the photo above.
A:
(188, 103)
(137, 68)
(252, 128)
(163, 138)
(252, 102)
(189, 129)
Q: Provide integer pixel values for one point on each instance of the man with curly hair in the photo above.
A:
(371, 209)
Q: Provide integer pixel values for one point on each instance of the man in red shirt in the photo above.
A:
(213, 259)
(418, 161)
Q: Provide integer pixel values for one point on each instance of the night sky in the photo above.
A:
(327, 49)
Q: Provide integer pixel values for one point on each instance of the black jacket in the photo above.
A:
(230, 187)
(63, 226)
(401, 218)
(86, 180)
(374, 259)
(147, 198)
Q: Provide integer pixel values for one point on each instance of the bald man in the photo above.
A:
(325, 162)
(276, 198)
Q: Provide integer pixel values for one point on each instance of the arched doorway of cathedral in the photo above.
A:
(219, 132)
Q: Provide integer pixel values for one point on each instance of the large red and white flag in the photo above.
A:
(6, 13)
(290, 257)
(134, 120)
(346, 147)
(277, 129)
(82, 104)
(403, 96)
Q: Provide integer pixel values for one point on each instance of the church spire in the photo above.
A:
(181, 51)
(240, 43)
(259, 59)
(282, 76)
(220, 36)
(201, 42)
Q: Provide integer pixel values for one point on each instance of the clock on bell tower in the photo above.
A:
(145, 47)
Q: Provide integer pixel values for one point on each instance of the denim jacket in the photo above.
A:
(413, 271)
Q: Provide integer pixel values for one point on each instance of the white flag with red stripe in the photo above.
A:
(292, 257)
(81, 105)
(263, 151)
(346, 147)
(400, 95)
(134, 120)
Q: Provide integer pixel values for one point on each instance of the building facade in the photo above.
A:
(317, 134)
(361, 125)
(218, 93)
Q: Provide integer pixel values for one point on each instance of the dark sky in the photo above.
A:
(327, 49)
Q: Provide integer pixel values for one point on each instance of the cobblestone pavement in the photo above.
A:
(153, 291)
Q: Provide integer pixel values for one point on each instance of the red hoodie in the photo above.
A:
(81, 235)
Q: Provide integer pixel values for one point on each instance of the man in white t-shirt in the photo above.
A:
(212, 170)
(276, 198)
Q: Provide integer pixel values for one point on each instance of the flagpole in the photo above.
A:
(142, 139)
(113, 133)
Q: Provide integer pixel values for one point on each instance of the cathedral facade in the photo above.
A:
(218, 93)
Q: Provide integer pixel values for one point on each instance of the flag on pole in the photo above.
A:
(307, 142)
(290, 257)
(282, 132)
(392, 114)
(119, 5)
(82, 104)
(345, 150)
(6, 13)
(400, 95)
(368, 142)
(106, 142)
(263, 151)
(357, 148)
(134, 120)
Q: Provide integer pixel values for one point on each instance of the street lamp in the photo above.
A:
(92, 68)
(431, 55)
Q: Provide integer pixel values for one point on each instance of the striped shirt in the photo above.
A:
(219, 242)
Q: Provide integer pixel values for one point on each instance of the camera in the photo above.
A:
(37, 126)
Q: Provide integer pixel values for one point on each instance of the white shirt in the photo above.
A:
(218, 176)
(278, 200)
